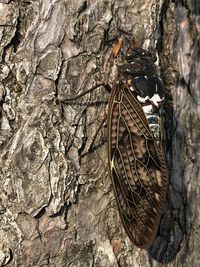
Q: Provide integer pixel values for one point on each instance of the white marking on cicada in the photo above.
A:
(155, 99)
(155, 129)
(131, 88)
(156, 87)
(153, 125)
(142, 99)
(148, 109)
(153, 118)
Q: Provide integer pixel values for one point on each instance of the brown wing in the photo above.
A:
(137, 168)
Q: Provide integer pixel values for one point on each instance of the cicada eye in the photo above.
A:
(130, 56)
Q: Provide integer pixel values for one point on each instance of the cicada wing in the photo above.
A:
(137, 168)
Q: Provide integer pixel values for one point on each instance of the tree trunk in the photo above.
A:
(56, 201)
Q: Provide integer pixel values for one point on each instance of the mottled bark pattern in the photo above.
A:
(56, 207)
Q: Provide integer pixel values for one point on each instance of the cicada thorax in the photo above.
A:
(136, 160)
(141, 76)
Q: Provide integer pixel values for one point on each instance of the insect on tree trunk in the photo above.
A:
(57, 207)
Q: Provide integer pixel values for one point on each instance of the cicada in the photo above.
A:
(135, 146)
(136, 157)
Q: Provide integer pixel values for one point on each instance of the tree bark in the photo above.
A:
(57, 206)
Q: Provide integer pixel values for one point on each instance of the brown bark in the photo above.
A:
(57, 207)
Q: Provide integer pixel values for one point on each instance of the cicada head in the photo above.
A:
(138, 71)
(137, 52)
(139, 62)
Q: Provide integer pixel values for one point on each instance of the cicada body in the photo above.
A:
(135, 147)
(136, 157)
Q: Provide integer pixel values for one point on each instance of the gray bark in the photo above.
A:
(57, 207)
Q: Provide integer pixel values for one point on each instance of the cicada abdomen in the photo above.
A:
(135, 146)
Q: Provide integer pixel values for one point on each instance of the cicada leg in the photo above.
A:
(108, 88)
(95, 136)
(104, 84)
(82, 94)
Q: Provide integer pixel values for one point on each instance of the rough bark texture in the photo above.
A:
(57, 207)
